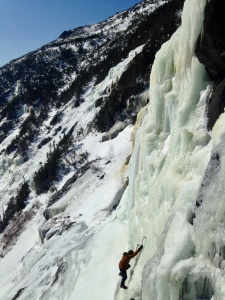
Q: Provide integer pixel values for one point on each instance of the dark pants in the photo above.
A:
(123, 273)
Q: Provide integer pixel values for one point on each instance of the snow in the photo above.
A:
(40, 267)
(90, 206)
(104, 253)
(87, 210)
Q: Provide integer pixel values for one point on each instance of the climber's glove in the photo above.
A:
(140, 248)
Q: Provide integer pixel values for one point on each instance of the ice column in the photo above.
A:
(174, 150)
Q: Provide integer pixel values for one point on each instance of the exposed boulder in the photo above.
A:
(54, 226)
(114, 131)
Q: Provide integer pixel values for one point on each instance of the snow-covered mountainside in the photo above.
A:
(80, 183)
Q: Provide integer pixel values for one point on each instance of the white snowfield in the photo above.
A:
(73, 263)
(183, 254)
(79, 248)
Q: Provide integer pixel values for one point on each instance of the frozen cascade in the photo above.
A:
(178, 175)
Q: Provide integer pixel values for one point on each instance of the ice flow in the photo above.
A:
(176, 188)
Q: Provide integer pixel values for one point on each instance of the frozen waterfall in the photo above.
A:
(176, 191)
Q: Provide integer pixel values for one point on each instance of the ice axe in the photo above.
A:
(132, 271)
(143, 238)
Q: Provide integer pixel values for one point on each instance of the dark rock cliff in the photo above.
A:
(210, 50)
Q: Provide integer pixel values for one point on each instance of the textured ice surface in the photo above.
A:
(176, 191)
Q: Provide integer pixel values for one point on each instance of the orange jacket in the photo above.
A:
(124, 263)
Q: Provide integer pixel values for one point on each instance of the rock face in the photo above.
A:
(210, 51)
(210, 48)
(216, 103)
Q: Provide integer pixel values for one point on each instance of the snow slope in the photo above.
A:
(86, 253)
(60, 257)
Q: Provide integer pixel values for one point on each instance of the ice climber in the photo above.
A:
(124, 264)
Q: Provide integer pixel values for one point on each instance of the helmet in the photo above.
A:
(130, 252)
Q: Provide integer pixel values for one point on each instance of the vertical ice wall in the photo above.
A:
(176, 192)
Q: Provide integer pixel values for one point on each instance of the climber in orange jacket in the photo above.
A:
(124, 264)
